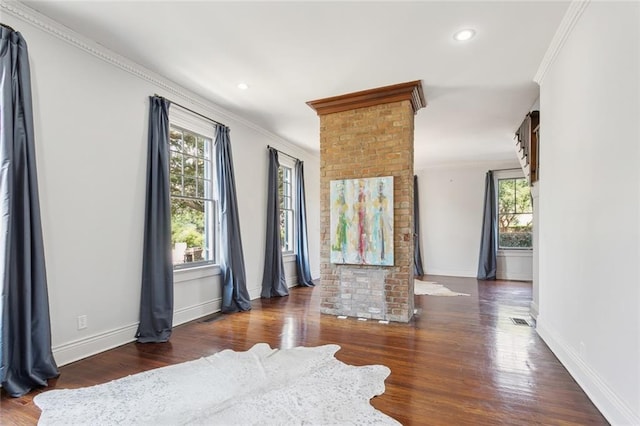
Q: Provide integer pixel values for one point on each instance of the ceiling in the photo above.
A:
(289, 53)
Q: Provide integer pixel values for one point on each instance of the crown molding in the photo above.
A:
(54, 28)
(571, 17)
(410, 91)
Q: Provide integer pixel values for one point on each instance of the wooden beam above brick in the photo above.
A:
(410, 91)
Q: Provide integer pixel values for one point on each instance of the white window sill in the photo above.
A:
(524, 252)
(195, 273)
(288, 257)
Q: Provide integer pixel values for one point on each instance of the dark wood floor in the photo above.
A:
(461, 361)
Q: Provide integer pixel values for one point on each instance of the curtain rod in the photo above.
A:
(282, 152)
(191, 111)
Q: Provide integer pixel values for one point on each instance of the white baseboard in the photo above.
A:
(83, 348)
(190, 313)
(448, 273)
(501, 275)
(254, 292)
(534, 310)
(76, 350)
(616, 411)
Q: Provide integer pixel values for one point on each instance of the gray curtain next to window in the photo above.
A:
(487, 264)
(156, 301)
(302, 245)
(417, 254)
(273, 279)
(235, 296)
(26, 360)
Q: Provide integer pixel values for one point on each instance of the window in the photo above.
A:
(193, 207)
(285, 195)
(515, 214)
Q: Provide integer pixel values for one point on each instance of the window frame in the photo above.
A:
(497, 177)
(191, 123)
(289, 164)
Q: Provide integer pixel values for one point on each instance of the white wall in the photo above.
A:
(91, 135)
(535, 286)
(451, 209)
(589, 207)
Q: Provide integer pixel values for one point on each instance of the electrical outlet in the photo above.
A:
(82, 322)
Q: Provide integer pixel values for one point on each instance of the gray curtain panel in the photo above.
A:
(26, 359)
(235, 296)
(302, 244)
(418, 270)
(156, 302)
(273, 279)
(487, 264)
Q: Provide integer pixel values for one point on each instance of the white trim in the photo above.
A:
(534, 310)
(448, 273)
(288, 257)
(571, 17)
(615, 410)
(48, 25)
(290, 163)
(190, 121)
(508, 174)
(523, 252)
(502, 275)
(195, 273)
(193, 312)
(75, 350)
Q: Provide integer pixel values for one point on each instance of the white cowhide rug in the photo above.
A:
(433, 289)
(261, 386)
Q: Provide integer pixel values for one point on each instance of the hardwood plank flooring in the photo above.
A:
(461, 361)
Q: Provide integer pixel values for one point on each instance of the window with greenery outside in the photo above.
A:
(192, 203)
(285, 197)
(515, 214)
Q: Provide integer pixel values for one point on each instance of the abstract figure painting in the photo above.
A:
(362, 221)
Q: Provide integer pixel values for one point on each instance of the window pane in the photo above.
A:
(200, 168)
(523, 196)
(187, 230)
(189, 187)
(189, 166)
(200, 186)
(200, 144)
(193, 217)
(515, 217)
(175, 162)
(507, 197)
(286, 230)
(175, 183)
(283, 229)
(175, 139)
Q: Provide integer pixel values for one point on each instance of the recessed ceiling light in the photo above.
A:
(464, 35)
(243, 86)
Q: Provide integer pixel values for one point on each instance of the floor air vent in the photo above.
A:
(520, 321)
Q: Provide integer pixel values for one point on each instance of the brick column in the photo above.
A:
(363, 135)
